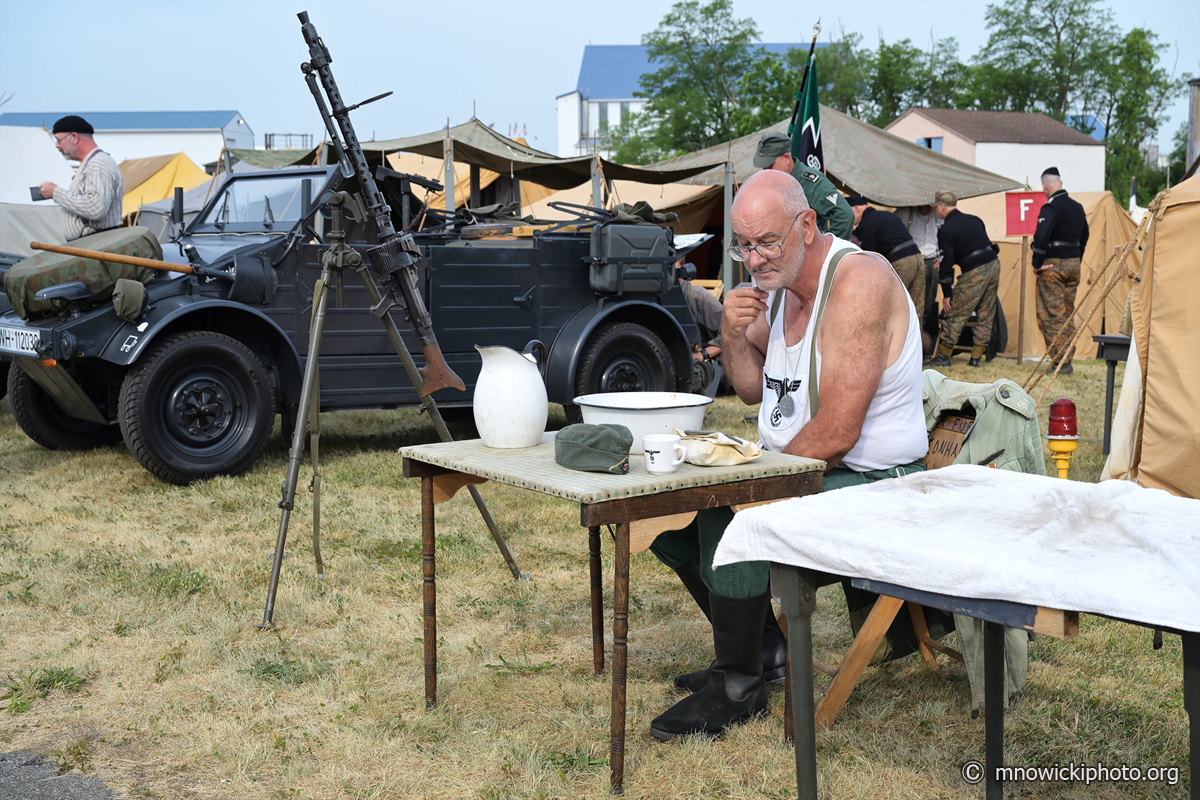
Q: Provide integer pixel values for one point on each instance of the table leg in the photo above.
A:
(993, 696)
(597, 599)
(429, 592)
(1191, 703)
(620, 659)
(798, 597)
(1108, 400)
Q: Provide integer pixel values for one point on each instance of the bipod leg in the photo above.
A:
(296, 455)
(314, 447)
(439, 424)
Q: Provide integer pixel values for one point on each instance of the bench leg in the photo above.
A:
(1191, 702)
(993, 696)
(857, 657)
(597, 599)
(798, 596)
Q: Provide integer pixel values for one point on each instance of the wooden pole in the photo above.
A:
(113, 258)
(1021, 315)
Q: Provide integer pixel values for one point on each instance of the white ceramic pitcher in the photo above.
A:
(510, 396)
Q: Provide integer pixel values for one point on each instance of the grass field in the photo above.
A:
(128, 646)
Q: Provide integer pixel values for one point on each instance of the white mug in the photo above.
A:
(663, 452)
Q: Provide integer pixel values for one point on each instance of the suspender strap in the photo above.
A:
(813, 402)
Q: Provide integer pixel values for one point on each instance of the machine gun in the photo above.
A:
(394, 259)
(394, 262)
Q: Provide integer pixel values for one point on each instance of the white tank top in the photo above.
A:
(893, 432)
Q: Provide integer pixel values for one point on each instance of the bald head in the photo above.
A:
(771, 189)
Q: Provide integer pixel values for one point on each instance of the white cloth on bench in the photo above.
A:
(1110, 548)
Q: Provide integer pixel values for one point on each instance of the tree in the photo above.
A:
(701, 52)
(1134, 89)
(1041, 55)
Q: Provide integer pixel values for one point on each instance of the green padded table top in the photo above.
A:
(534, 468)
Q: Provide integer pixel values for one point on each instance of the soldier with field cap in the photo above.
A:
(964, 240)
(92, 203)
(1058, 245)
(833, 213)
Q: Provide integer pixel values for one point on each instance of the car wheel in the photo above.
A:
(196, 406)
(622, 357)
(4, 365)
(44, 421)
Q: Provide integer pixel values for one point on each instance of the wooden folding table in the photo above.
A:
(632, 502)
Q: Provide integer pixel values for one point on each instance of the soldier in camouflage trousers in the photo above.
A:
(1056, 286)
(911, 270)
(975, 291)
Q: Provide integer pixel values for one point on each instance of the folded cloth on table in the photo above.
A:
(1111, 548)
(716, 449)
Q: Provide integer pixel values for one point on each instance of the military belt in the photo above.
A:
(978, 252)
(910, 243)
(1062, 244)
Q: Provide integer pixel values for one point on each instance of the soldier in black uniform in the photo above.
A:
(1058, 245)
(885, 233)
(964, 240)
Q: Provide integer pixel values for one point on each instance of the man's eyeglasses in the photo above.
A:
(64, 136)
(768, 250)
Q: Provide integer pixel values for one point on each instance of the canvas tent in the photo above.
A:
(433, 167)
(1110, 227)
(476, 144)
(1156, 430)
(859, 159)
(148, 180)
(27, 158)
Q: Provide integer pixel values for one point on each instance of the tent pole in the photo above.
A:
(1021, 314)
(726, 261)
(597, 197)
(475, 201)
(448, 155)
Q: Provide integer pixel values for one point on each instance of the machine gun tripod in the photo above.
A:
(394, 259)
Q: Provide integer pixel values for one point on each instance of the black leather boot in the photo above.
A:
(774, 658)
(737, 690)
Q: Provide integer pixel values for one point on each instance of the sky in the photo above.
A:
(504, 61)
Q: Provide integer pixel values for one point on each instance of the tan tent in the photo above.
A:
(693, 204)
(148, 180)
(1109, 226)
(433, 168)
(1156, 433)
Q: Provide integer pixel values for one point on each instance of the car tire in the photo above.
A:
(4, 367)
(622, 357)
(44, 421)
(198, 405)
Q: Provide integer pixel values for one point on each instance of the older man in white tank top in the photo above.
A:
(854, 402)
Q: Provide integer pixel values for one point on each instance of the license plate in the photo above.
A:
(22, 341)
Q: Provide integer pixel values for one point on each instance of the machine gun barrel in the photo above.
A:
(395, 259)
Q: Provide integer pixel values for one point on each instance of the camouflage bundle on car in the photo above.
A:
(45, 269)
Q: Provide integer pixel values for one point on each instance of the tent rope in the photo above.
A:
(1112, 273)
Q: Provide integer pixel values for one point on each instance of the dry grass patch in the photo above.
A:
(148, 596)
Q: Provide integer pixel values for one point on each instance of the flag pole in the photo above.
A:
(804, 78)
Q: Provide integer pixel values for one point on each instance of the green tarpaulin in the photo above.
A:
(274, 159)
(859, 159)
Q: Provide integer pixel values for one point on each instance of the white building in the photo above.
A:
(604, 94)
(138, 134)
(1016, 145)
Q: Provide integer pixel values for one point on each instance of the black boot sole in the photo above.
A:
(667, 736)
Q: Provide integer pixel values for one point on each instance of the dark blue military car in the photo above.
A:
(193, 384)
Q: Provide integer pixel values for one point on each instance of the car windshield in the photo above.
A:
(257, 201)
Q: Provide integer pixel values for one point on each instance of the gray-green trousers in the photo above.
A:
(699, 539)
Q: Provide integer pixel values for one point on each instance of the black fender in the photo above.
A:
(179, 313)
(645, 310)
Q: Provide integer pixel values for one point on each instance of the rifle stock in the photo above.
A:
(394, 259)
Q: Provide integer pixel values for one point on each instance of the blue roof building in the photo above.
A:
(608, 80)
(139, 134)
